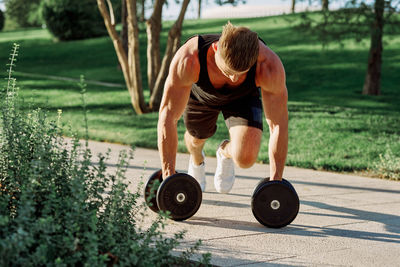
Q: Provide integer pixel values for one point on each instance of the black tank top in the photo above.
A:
(204, 91)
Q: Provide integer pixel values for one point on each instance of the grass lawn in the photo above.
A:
(332, 126)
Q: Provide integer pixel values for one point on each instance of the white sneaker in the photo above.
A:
(225, 173)
(198, 172)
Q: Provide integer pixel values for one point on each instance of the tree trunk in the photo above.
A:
(124, 32)
(293, 6)
(129, 61)
(174, 38)
(325, 5)
(199, 10)
(142, 18)
(154, 24)
(122, 56)
(373, 76)
(136, 90)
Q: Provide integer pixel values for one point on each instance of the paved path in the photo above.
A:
(344, 220)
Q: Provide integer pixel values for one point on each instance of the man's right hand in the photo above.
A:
(167, 174)
(184, 71)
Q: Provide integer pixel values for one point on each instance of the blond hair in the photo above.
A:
(238, 47)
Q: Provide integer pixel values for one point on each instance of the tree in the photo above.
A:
(153, 29)
(293, 7)
(373, 76)
(124, 31)
(199, 10)
(25, 13)
(142, 9)
(73, 19)
(357, 20)
(1, 20)
(325, 5)
(129, 61)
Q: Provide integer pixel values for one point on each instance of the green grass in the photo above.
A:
(332, 126)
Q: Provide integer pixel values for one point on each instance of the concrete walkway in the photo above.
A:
(344, 220)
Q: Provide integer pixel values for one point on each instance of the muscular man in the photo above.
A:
(224, 73)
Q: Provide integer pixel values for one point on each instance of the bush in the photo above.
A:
(73, 19)
(24, 13)
(388, 165)
(57, 209)
(2, 19)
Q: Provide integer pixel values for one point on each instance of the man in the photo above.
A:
(224, 73)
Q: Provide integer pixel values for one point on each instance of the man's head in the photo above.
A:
(238, 47)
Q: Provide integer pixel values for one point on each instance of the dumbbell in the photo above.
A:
(180, 194)
(275, 203)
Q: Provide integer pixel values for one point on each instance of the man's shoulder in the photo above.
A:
(192, 42)
(268, 60)
(186, 63)
(189, 50)
(269, 67)
(266, 52)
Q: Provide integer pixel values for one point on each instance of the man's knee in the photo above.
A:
(245, 144)
(245, 159)
(191, 140)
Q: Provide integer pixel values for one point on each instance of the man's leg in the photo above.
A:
(196, 162)
(244, 121)
(243, 146)
(242, 150)
(195, 148)
(200, 122)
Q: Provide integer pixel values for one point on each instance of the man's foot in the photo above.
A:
(225, 172)
(198, 172)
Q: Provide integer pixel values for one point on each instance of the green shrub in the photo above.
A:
(2, 19)
(24, 13)
(58, 209)
(73, 19)
(388, 165)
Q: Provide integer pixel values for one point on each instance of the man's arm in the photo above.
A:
(274, 97)
(183, 72)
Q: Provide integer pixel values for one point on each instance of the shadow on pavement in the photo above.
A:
(230, 224)
(293, 229)
(316, 231)
(356, 214)
(347, 187)
(225, 203)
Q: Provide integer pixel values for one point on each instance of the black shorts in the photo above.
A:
(201, 120)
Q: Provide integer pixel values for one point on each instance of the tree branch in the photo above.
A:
(112, 32)
(111, 12)
(173, 44)
(133, 58)
(153, 28)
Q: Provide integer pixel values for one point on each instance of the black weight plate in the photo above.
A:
(260, 183)
(266, 180)
(289, 184)
(181, 195)
(275, 203)
(157, 176)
